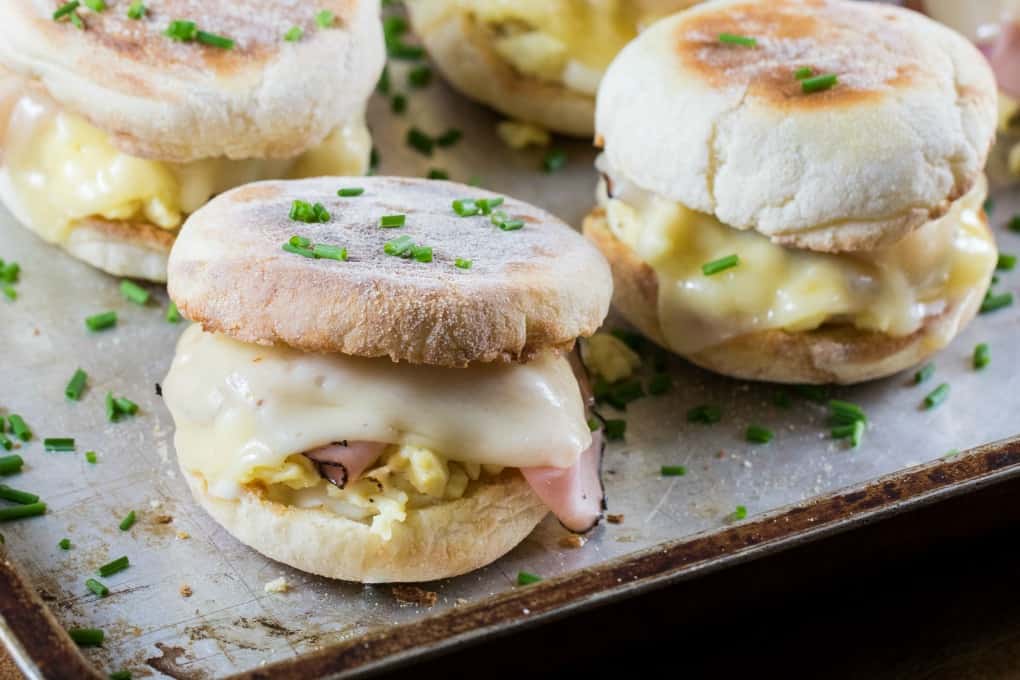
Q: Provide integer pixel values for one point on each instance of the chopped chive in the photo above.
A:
(128, 521)
(19, 428)
(783, 399)
(399, 50)
(803, 72)
(594, 424)
(120, 675)
(90, 457)
(327, 252)
(384, 84)
(66, 9)
(97, 587)
(742, 40)
(1006, 262)
(1014, 224)
(555, 159)
(858, 434)
(303, 211)
(87, 637)
(924, 373)
(398, 104)
(181, 30)
(466, 207)
(461, 263)
(325, 19)
(526, 579)
(673, 471)
(12, 464)
(10, 272)
(298, 250)
(720, 265)
(299, 241)
(951, 453)
(111, 568)
(350, 192)
(449, 138)
(392, 221)
(61, 444)
(618, 394)
(16, 496)
(399, 246)
(96, 5)
(100, 322)
(487, 204)
(739, 513)
(294, 34)
(994, 302)
(660, 384)
(10, 292)
(5, 442)
(111, 408)
(422, 253)
(394, 26)
(20, 511)
(845, 412)
(133, 292)
(173, 315)
(420, 141)
(706, 414)
(76, 386)
(214, 40)
(819, 83)
(419, 76)
(136, 10)
(982, 356)
(125, 406)
(503, 221)
(437, 173)
(757, 434)
(937, 396)
(65, 544)
(77, 22)
(616, 429)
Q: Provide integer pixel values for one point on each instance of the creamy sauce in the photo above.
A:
(891, 290)
(239, 407)
(62, 169)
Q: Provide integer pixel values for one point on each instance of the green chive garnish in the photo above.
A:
(77, 21)
(181, 30)
(854, 431)
(20, 511)
(982, 356)
(76, 386)
(739, 514)
(294, 34)
(399, 247)
(66, 9)
(136, 10)
(660, 384)
(61, 444)
(10, 272)
(111, 407)
(555, 159)
(298, 250)
(90, 457)
(1014, 224)
(350, 192)
(120, 675)
(422, 253)
(125, 405)
(673, 471)
(300, 242)
(466, 207)
(846, 413)
(96, 5)
(214, 40)
(503, 221)
(10, 465)
(705, 414)
(615, 429)
(325, 19)
(419, 76)
(87, 637)
(102, 321)
(392, 221)
(819, 83)
(9, 292)
(938, 395)
(449, 138)
(720, 265)
(16, 496)
(128, 521)
(327, 252)
(303, 211)
(5, 442)
(742, 40)
(420, 141)
(133, 292)
(398, 50)
(526, 579)
(437, 173)
(19, 428)
(173, 315)
(111, 568)
(97, 587)
(398, 104)
(1006, 262)
(803, 72)
(618, 395)
(924, 373)
(65, 544)
(383, 86)
(487, 204)
(757, 434)
(995, 302)
(462, 263)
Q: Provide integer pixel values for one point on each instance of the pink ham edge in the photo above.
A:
(574, 494)
(343, 463)
(1004, 56)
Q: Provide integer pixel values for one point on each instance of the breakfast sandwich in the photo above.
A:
(119, 118)
(377, 386)
(538, 61)
(793, 190)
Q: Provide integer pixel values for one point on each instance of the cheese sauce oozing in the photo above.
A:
(893, 290)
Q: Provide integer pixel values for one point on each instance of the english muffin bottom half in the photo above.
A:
(538, 61)
(117, 124)
(377, 386)
(793, 191)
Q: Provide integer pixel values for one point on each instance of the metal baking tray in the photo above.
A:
(800, 487)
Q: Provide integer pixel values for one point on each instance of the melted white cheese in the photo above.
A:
(238, 407)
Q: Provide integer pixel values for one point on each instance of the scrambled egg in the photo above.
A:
(608, 356)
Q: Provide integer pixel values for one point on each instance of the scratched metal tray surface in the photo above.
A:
(801, 485)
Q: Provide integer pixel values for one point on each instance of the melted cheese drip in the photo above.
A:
(564, 41)
(893, 290)
(63, 170)
(240, 407)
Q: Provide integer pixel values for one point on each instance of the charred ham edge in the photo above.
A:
(343, 462)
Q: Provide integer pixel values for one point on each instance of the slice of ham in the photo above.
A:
(343, 462)
(1004, 56)
(575, 494)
